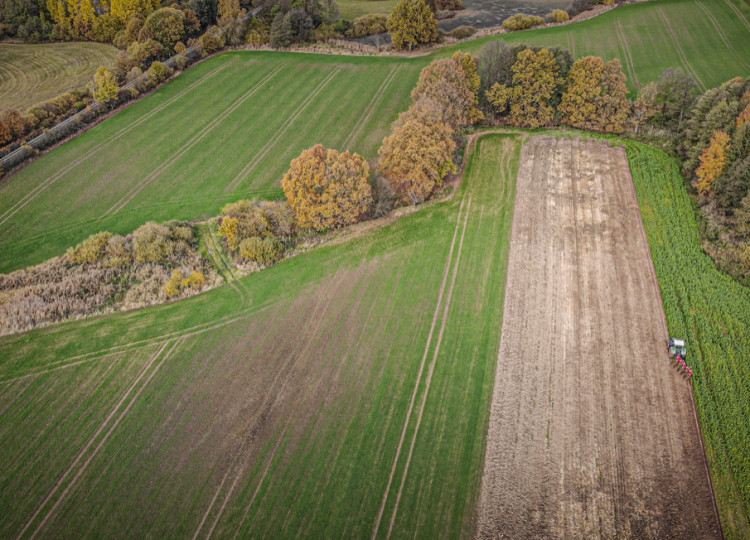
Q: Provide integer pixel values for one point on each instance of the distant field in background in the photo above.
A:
(279, 411)
(33, 73)
(351, 9)
(709, 39)
(227, 128)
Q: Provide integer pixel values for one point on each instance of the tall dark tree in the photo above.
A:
(281, 31)
(675, 94)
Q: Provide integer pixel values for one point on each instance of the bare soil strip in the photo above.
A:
(720, 32)
(630, 65)
(740, 16)
(247, 169)
(370, 107)
(34, 193)
(419, 375)
(591, 433)
(430, 371)
(198, 137)
(673, 36)
(90, 442)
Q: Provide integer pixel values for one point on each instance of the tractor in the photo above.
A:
(677, 349)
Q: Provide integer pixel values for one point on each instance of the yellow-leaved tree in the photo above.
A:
(415, 158)
(583, 88)
(535, 79)
(595, 97)
(123, 9)
(469, 66)
(713, 161)
(411, 23)
(327, 188)
(105, 87)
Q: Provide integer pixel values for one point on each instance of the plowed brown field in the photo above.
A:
(591, 431)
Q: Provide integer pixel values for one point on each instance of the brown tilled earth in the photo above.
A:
(591, 431)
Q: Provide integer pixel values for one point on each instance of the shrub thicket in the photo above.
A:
(522, 21)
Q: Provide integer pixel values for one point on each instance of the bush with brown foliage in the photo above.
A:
(105, 273)
(366, 25)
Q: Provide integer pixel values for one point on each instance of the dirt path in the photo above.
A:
(591, 430)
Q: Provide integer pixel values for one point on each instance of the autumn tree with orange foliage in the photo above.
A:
(713, 161)
(415, 158)
(327, 188)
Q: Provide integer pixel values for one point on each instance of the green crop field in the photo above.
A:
(227, 128)
(224, 130)
(30, 74)
(339, 421)
(712, 312)
(709, 39)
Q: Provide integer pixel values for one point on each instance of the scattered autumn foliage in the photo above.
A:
(713, 161)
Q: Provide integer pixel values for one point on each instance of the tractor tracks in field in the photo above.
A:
(42, 186)
(370, 108)
(198, 137)
(163, 353)
(739, 14)
(678, 48)
(418, 383)
(250, 167)
(630, 65)
(720, 32)
(268, 406)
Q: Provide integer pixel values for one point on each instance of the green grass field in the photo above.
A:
(227, 128)
(707, 39)
(30, 74)
(238, 424)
